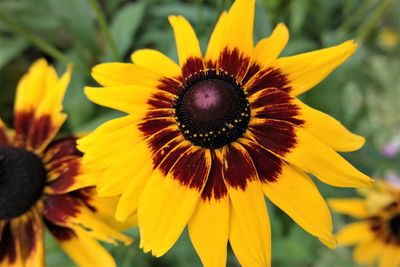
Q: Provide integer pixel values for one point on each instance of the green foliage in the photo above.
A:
(364, 93)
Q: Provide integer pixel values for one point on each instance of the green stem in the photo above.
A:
(104, 27)
(369, 25)
(358, 15)
(39, 42)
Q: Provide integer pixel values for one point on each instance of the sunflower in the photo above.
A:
(43, 184)
(204, 140)
(377, 233)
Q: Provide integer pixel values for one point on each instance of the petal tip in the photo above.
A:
(332, 243)
(89, 91)
(371, 183)
(357, 142)
(360, 140)
(173, 19)
(350, 45)
(282, 26)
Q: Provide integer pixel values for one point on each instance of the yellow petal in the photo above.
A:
(51, 79)
(52, 101)
(99, 155)
(186, 40)
(105, 210)
(129, 200)
(161, 198)
(116, 74)
(239, 27)
(15, 234)
(39, 85)
(296, 194)
(355, 233)
(250, 234)
(3, 133)
(32, 87)
(267, 50)
(81, 180)
(389, 257)
(50, 106)
(122, 173)
(315, 157)
(38, 105)
(2, 124)
(210, 239)
(376, 200)
(349, 206)
(156, 62)
(36, 256)
(306, 70)
(111, 131)
(329, 130)
(86, 251)
(367, 252)
(98, 228)
(105, 129)
(215, 44)
(126, 98)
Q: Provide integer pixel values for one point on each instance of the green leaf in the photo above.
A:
(76, 105)
(352, 99)
(74, 17)
(11, 47)
(262, 22)
(192, 12)
(298, 12)
(125, 24)
(31, 14)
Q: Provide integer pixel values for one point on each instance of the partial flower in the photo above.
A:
(204, 140)
(43, 184)
(389, 38)
(393, 178)
(392, 148)
(376, 233)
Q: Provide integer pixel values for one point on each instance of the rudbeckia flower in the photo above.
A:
(376, 234)
(42, 182)
(204, 140)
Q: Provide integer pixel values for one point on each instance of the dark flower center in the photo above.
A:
(394, 225)
(22, 179)
(212, 110)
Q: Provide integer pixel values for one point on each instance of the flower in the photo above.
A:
(393, 178)
(205, 140)
(388, 38)
(376, 234)
(43, 184)
(392, 148)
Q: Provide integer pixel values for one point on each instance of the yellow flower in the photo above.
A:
(43, 184)
(388, 37)
(204, 140)
(377, 233)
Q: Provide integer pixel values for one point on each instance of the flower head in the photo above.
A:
(43, 184)
(204, 140)
(376, 234)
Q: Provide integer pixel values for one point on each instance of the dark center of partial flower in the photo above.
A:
(212, 110)
(22, 179)
(394, 225)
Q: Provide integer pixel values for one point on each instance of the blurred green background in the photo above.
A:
(364, 93)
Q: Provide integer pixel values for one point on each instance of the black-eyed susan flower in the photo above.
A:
(206, 139)
(42, 182)
(376, 234)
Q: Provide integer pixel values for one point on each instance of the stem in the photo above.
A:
(358, 15)
(104, 27)
(39, 42)
(369, 25)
